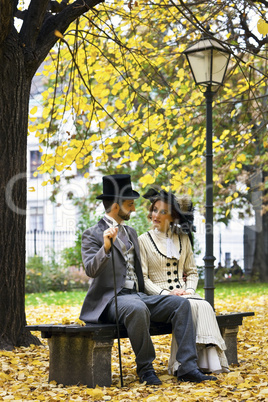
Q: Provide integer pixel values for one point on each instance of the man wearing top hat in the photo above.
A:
(135, 308)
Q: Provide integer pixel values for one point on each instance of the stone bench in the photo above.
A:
(82, 355)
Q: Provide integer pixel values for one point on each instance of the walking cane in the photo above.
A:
(116, 315)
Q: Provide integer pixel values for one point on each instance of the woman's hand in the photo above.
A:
(109, 234)
(178, 292)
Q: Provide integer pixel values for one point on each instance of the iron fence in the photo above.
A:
(48, 244)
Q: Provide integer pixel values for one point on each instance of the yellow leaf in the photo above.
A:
(228, 199)
(180, 140)
(21, 376)
(36, 363)
(233, 113)
(241, 158)
(80, 322)
(95, 393)
(147, 179)
(65, 321)
(58, 34)
(41, 397)
(119, 104)
(6, 376)
(34, 110)
(32, 189)
(262, 27)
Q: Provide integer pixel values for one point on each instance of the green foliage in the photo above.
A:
(88, 216)
(45, 276)
(139, 221)
(221, 274)
(42, 276)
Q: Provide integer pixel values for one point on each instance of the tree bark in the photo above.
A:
(260, 263)
(14, 98)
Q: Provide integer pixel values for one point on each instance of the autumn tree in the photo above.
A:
(129, 97)
(134, 104)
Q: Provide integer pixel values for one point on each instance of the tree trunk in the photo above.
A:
(14, 100)
(21, 53)
(260, 263)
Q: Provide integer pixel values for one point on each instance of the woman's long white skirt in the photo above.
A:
(209, 342)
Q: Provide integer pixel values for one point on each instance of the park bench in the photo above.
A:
(82, 354)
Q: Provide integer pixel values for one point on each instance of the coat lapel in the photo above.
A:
(103, 226)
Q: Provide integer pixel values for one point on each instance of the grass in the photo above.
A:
(55, 298)
(222, 291)
(237, 289)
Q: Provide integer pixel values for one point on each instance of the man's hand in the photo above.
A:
(109, 234)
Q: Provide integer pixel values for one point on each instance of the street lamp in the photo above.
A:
(208, 61)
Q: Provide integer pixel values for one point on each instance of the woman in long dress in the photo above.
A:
(169, 268)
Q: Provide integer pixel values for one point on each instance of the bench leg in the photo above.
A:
(229, 335)
(80, 360)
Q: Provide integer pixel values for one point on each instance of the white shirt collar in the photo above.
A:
(167, 243)
(111, 221)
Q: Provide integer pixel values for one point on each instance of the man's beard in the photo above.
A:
(123, 215)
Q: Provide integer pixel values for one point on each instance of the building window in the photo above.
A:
(35, 161)
(36, 218)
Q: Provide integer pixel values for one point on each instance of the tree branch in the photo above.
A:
(249, 34)
(32, 23)
(61, 22)
(6, 19)
(37, 34)
(264, 2)
(56, 7)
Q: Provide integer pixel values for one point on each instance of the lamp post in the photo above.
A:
(208, 61)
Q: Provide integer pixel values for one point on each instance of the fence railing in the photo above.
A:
(47, 243)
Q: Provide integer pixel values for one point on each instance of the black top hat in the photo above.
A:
(117, 186)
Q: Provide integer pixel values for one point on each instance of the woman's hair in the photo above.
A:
(173, 210)
(181, 211)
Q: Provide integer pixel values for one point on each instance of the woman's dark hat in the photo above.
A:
(117, 186)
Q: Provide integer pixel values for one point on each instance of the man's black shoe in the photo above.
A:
(151, 378)
(196, 376)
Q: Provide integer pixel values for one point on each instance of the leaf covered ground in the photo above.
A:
(24, 373)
